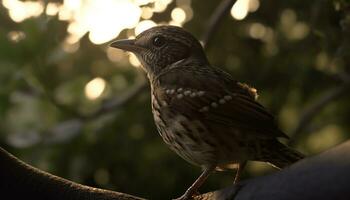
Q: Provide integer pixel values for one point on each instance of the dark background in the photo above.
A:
(296, 53)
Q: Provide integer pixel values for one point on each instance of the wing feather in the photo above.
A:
(239, 111)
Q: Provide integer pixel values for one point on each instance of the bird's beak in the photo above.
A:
(127, 45)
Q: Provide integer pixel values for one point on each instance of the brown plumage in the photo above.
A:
(201, 112)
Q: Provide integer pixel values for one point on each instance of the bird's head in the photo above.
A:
(160, 46)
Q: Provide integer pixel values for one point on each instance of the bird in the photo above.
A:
(201, 112)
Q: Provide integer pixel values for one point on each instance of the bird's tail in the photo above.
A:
(279, 155)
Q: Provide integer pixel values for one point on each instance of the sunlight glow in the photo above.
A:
(19, 10)
(161, 5)
(147, 13)
(72, 4)
(95, 88)
(178, 15)
(105, 21)
(143, 2)
(102, 20)
(52, 9)
(242, 7)
(133, 60)
(189, 12)
(144, 25)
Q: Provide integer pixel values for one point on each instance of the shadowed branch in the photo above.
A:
(19, 180)
(220, 12)
(321, 177)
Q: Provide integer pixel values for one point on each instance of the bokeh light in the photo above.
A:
(257, 31)
(105, 21)
(21, 10)
(291, 27)
(102, 20)
(95, 88)
(178, 15)
(241, 8)
(52, 9)
(16, 36)
(65, 90)
(147, 13)
(144, 25)
(133, 60)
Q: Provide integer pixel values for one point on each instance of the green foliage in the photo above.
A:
(293, 52)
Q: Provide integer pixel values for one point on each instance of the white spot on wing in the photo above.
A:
(222, 101)
(227, 97)
(179, 96)
(164, 103)
(187, 92)
(204, 109)
(200, 93)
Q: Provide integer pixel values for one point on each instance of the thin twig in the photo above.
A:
(115, 102)
(316, 107)
(330, 95)
(220, 12)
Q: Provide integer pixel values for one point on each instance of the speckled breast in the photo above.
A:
(187, 137)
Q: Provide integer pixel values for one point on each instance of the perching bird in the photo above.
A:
(201, 112)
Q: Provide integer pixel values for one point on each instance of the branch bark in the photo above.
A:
(322, 177)
(19, 180)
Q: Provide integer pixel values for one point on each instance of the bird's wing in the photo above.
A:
(230, 106)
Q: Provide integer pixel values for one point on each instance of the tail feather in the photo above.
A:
(280, 155)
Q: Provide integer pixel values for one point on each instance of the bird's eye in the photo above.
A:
(158, 41)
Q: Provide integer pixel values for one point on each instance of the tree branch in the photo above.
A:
(310, 112)
(116, 102)
(220, 12)
(322, 177)
(19, 180)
